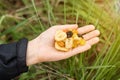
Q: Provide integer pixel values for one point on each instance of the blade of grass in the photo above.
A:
(41, 25)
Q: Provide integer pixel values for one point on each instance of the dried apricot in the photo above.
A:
(61, 43)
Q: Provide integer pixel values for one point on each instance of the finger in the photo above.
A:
(91, 34)
(78, 50)
(93, 41)
(85, 29)
(68, 26)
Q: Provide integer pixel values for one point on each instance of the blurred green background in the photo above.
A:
(29, 18)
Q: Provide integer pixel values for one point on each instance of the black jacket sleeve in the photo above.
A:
(13, 59)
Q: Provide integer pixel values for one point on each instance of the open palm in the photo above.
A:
(43, 45)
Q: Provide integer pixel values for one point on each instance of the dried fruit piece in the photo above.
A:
(69, 43)
(82, 42)
(60, 48)
(69, 34)
(60, 35)
(61, 43)
(77, 42)
(75, 31)
(75, 36)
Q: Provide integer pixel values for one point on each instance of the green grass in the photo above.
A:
(101, 62)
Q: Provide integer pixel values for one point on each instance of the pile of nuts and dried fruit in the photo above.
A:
(68, 39)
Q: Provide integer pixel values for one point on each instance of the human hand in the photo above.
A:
(41, 49)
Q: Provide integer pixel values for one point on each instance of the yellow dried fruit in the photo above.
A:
(76, 42)
(82, 42)
(75, 31)
(75, 36)
(60, 35)
(61, 43)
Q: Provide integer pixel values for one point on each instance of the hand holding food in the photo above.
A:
(60, 42)
(68, 39)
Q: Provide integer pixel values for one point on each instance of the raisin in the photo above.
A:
(69, 34)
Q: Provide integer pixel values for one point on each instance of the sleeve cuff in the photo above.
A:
(21, 55)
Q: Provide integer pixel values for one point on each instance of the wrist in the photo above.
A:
(31, 55)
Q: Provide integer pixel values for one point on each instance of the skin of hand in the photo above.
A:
(41, 49)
